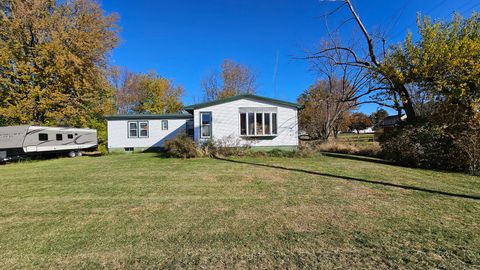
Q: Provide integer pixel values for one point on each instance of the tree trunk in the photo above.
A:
(406, 102)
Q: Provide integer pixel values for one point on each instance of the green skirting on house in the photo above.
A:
(160, 149)
(270, 148)
(134, 149)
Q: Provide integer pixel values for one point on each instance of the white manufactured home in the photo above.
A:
(241, 120)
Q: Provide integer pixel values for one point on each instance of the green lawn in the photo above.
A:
(139, 211)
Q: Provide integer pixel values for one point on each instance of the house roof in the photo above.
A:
(391, 120)
(250, 96)
(149, 116)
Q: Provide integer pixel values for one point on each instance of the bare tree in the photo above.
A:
(323, 109)
(234, 79)
(210, 86)
(387, 86)
(329, 102)
(127, 89)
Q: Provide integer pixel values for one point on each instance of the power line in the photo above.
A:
(471, 8)
(414, 23)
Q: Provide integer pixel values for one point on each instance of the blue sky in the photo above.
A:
(184, 40)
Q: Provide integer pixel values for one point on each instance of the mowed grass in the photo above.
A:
(140, 211)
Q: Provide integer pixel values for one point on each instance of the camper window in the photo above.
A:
(43, 137)
(70, 136)
(164, 124)
(59, 137)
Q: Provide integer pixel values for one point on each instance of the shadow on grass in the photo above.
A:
(348, 178)
(360, 158)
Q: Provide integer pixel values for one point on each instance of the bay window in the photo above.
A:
(255, 124)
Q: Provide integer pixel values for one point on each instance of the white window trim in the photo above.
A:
(201, 125)
(247, 122)
(129, 129)
(138, 129)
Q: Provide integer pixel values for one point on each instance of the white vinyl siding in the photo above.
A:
(226, 122)
(117, 130)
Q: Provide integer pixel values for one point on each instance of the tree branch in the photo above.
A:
(371, 50)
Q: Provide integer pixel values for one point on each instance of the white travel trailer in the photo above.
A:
(18, 142)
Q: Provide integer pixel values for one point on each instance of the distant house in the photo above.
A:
(390, 122)
(244, 119)
(368, 130)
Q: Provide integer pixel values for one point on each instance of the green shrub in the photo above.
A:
(469, 144)
(423, 145)
(101, 126)
(226, 146)
(181, 146)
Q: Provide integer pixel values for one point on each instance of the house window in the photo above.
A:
(243, 124)
(164, 124)
(143, 129)
(43, 137)
(59, 137)
(258, 123)
(132, 129)
(251, 123)
(205, 124)
(274, 123)
(267, 123)
(190, 128)
(70, 136)
(138, 129)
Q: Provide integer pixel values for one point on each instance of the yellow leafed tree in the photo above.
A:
(145, 93)
(53, 62)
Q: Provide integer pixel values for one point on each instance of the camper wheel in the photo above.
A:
(71, 154)
(78, 153)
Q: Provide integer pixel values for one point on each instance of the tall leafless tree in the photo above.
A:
(386, 82)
